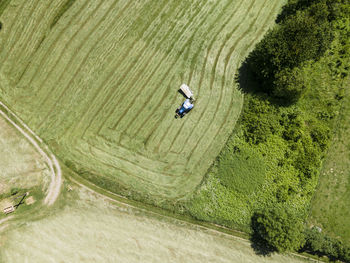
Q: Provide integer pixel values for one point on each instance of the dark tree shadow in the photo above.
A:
(249, 84)
(259, 245)
(246, 80)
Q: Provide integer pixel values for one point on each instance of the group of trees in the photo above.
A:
(282, 230)
(305, 31)
(303, 34)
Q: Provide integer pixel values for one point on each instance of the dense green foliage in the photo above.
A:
(279, 228)
(322, 245)
(302, 35)
(287, 140)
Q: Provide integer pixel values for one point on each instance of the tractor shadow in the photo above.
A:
(182, 93)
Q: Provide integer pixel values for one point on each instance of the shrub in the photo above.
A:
(323, 245)
(279, 227)
(258, 119)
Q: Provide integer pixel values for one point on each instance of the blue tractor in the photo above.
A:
(184, 109)
(188, 104)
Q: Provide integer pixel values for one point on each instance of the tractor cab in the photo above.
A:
(184, 109)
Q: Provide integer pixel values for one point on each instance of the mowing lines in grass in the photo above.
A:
(102, 85)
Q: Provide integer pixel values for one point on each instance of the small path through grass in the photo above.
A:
(56, 173)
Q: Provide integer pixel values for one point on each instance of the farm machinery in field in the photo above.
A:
(187, 106)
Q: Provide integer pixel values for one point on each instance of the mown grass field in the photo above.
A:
(90, 229)
(330, 205)
(98, 82)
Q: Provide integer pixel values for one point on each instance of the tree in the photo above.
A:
(279, 227)
(289, 85)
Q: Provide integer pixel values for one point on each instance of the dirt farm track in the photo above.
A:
(98, 82)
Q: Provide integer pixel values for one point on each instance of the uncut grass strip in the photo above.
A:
(42, 61)
(206, 59)
(213, 77)
(252, 43)
(103, 85)
(213, 72)
(21, 20)
(145, 84)
(34, 35)
(72, 58)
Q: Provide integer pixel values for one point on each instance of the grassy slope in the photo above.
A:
(330, 205)
(101, 86)
(90, 229)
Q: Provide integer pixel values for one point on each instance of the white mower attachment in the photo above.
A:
(186, 90)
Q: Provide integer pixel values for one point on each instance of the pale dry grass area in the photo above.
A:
(94, 230)
(20, 165)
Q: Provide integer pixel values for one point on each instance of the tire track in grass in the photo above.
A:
(51, 69)
(88, 107)
(213, 74)
(6, 37)
(37, 47)
(56, 174)
(25, 32)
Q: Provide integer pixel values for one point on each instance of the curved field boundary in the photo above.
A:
(102, 84)
(56, 174)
